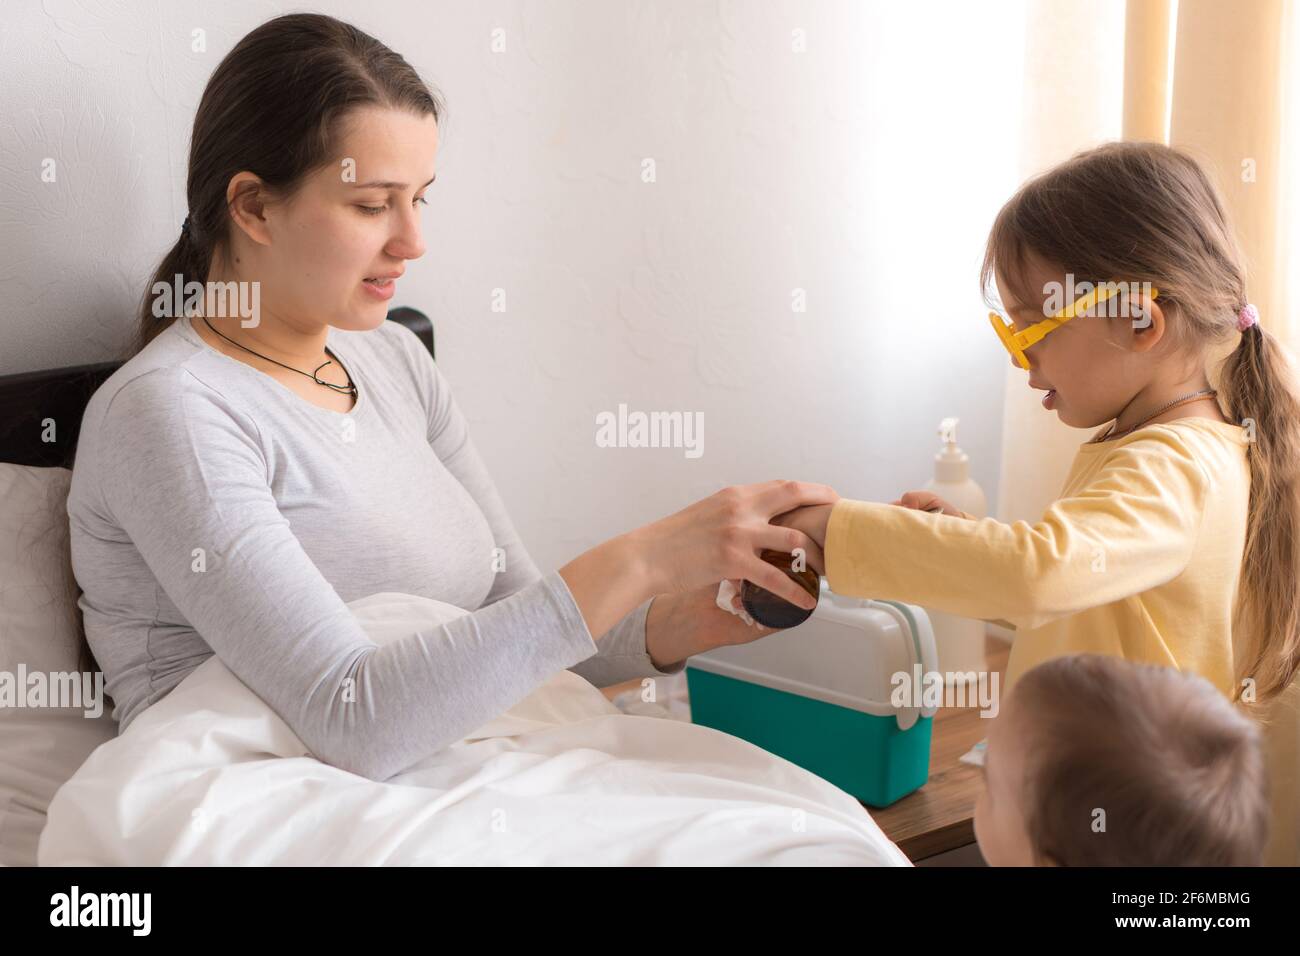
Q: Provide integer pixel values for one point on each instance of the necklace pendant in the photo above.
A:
(349, 388)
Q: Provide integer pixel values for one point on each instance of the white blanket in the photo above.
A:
(210, 775)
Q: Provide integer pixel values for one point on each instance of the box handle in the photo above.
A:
(921, 650)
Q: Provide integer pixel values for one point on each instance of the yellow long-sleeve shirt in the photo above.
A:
(1139, 556)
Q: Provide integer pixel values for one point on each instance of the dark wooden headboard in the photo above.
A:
(30, 399)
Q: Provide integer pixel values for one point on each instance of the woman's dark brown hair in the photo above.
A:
(1144, 212)
(275, 106)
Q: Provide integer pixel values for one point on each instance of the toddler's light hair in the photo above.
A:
(1131, 764)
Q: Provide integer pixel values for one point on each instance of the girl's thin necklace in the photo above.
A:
(1194, 397)
(349, 388)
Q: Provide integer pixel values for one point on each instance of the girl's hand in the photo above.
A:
(721, 536)
(928, 501)
(812, 521)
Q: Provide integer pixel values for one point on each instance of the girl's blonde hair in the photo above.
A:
(1144, 212)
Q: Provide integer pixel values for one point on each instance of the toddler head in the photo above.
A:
(1098, 761)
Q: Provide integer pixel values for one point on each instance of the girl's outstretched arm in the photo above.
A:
(1130, 529)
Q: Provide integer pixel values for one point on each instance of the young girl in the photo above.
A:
(1174, 538)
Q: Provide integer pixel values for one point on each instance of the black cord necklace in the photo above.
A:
(349, 388)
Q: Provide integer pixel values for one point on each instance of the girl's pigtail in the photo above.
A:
(1257, 384)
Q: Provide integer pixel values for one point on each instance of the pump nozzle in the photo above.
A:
(950, 464)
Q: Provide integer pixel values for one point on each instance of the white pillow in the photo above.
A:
(40, 747)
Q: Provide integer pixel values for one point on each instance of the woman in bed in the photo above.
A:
(242, 477)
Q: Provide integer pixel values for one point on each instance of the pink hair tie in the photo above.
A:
(1248, 316)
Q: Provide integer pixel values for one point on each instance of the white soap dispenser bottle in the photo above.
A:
(958, 640)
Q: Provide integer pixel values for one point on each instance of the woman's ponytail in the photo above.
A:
(186, 262)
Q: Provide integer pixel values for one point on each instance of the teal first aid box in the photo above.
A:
(819, 695)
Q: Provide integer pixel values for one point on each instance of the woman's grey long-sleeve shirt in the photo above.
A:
(213, 510)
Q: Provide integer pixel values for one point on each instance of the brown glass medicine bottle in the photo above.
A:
(769, 609)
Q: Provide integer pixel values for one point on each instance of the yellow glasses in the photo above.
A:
(1017, 342)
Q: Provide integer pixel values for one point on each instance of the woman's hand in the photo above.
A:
(721, 536)
(928, 501)
(680, 625)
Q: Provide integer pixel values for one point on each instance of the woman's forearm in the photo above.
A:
(667, 631)
(609, 581)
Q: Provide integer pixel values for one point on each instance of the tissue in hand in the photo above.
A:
(726, 595)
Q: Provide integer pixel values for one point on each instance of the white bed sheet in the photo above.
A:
(210, 775)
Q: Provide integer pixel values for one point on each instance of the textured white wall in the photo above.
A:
(864, 169)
